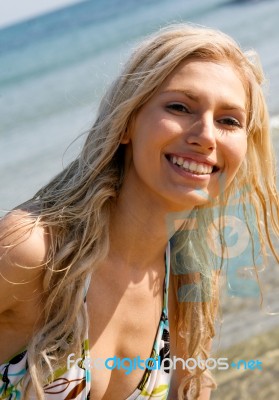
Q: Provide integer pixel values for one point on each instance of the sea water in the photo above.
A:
(55, 68)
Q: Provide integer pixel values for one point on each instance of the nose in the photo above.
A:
(202, 133)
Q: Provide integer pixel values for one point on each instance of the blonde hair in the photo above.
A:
(75, 206)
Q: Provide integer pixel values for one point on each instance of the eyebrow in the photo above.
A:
(193, 97)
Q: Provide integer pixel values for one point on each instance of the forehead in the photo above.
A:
(207, 77)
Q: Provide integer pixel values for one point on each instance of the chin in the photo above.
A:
(191, 200)
(200, 197)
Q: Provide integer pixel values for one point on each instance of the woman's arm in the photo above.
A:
(23, 249)
(22, 253)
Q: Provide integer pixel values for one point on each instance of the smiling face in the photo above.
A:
(188, 141)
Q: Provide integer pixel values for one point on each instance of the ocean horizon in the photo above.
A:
(55, 68)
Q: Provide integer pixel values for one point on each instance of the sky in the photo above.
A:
(12, 11)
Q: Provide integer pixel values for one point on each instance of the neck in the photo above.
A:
(139, 231)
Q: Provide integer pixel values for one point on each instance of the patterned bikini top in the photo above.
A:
(74, 383)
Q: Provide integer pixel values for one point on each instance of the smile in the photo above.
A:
(192, 166)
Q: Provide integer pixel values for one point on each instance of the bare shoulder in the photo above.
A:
(23, 252)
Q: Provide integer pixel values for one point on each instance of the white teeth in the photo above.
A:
(193, 166)
(180, 161)
(186, 164)
(199, 169)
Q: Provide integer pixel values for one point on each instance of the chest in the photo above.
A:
(124, 327)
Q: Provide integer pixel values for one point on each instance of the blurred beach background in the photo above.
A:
(53, 71)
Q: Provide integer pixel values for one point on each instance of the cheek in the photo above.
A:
(149, 138)
(236, 154)
(241, 151)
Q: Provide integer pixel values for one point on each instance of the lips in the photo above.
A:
(192, 166)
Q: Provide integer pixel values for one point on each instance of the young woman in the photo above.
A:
(85, 264)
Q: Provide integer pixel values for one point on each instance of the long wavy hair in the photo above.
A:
(75, 206)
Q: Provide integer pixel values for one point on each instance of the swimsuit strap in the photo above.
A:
(167, 279)
(87, 283)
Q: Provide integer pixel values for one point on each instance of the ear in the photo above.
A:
(126, 137)
(129, 129)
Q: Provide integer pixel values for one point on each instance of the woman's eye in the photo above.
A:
(178, 107)
(230, 121)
